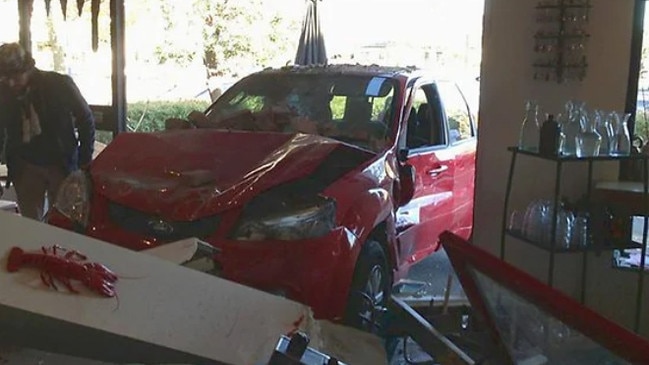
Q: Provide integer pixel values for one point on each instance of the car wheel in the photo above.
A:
(370, 289)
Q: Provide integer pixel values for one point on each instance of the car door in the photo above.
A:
(462, 142)
(430, 211)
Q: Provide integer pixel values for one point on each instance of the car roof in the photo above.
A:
(350, 69)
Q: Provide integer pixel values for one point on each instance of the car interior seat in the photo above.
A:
(431, 124)
(357, 110)
(413, 134)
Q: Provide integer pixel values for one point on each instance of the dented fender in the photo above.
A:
(368, 211)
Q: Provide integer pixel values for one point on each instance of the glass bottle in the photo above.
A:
(581, 225)
(528, 139)
(565, 221)
(588, 140)
(580, 236)
(569, 130)
(549, 137)
(621, 141)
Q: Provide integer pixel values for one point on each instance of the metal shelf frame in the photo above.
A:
(552, 248)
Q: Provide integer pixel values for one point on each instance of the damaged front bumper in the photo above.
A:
(316, 271)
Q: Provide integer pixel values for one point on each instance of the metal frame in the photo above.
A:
(431, 340)
(552, 249)
(466, 257)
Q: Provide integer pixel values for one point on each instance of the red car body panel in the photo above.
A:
(184, 176)
(193, 173)
(322, 272)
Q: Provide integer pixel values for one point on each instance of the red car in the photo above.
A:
(321, 184)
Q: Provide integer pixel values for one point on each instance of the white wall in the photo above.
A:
(506, 83)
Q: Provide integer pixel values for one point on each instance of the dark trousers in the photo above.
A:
(32, 183)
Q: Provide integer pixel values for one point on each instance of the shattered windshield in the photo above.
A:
(354, 109)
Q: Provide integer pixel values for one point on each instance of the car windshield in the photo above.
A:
(354, 109)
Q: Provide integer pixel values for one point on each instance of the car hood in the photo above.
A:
(187, 174)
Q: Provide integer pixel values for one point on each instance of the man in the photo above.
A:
(40, 113)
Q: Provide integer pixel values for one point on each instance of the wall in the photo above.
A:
(506, 82)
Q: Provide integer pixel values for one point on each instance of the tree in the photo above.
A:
(242, 34)
(228, 36)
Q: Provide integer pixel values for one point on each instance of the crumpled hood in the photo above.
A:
(187, 174)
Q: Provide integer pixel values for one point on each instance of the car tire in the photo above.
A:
(370, 289)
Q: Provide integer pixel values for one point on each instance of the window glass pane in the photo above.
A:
(418, 133)
(65, 46)
(533, 336)
(356, 109)
(8, 21)
(630, 258)
(337, 106)
(642, 104)
(459, 123)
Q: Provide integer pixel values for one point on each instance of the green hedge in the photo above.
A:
(642, 126)
(151, 116)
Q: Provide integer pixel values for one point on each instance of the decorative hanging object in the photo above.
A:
(26, 6)
(95, 23)
(80, 6)
(47, 7)
(64, 8)
(560, 43)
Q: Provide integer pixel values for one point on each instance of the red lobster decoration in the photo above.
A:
(70, 266)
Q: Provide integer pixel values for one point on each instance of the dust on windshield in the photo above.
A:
(354, 109)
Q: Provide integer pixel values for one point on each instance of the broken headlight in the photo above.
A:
(286, 218)
(73, 198)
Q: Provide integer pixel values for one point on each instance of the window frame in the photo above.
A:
(634, 71)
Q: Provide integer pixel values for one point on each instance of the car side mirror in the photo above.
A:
(406, 183)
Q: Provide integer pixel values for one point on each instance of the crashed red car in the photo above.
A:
(321, 184)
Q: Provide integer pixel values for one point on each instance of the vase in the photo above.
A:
(621, 141)
(528, 139)
(588, 141)
(605, 129)
(569, 129)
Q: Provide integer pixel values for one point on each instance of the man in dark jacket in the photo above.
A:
(46, 127)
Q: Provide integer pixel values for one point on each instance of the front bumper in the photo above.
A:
(315, 272)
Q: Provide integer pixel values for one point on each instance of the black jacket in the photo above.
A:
(62, 112)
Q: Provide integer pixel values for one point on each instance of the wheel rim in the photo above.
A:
(373, 294)
(374, 285)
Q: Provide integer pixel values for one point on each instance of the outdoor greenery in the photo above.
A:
(227, 36)
(151, 116)
(641, 127)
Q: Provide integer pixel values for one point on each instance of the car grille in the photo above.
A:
(153, 226)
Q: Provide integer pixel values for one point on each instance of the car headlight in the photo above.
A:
(73, 198)
(286, 219)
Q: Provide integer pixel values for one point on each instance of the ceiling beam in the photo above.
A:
(117, 35)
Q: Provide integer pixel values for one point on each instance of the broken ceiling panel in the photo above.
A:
(94, 10)
(64, 8)
(95, 24)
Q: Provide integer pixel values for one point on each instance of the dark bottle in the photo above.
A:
(549, 137)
